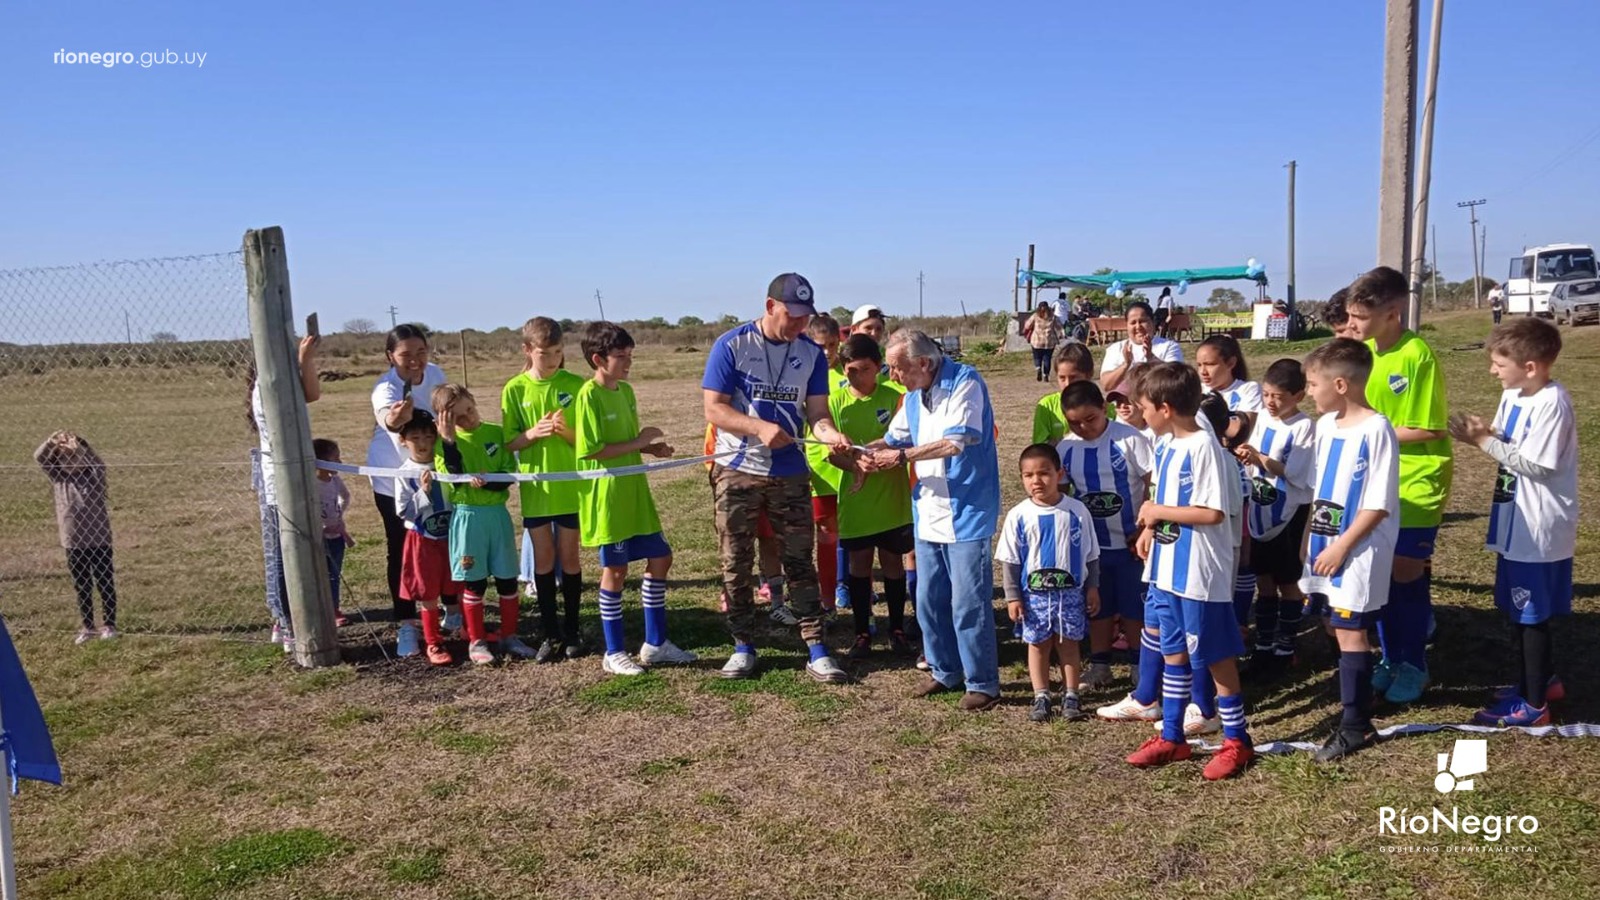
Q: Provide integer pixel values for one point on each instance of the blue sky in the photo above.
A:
(477, 163)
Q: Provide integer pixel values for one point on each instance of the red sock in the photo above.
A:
(827, 570)
(472, 612)
(431, 627)
(509, 607)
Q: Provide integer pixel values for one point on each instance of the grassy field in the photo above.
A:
(198, 767)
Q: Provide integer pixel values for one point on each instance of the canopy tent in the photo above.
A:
(1159, 278)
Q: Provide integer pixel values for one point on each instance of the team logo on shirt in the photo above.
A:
(1263, 492)
(1102, 504)
(1398, 384)
(883, 416)
(436, 526)
(1166, 532)
(1505, 486)
(794, 363)
(491, 448)
(1119, 463)
(1051, 580)
(563, 398)
(1327, 518)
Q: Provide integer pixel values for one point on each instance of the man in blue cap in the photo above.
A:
(765, 381)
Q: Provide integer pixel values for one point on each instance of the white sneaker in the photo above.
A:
(1095, 677)
(479, 653)
(825, 670)
(620, 664)
(664, 654)
(408, 642)
(286, 635)
(514, 646)
(740, 665)
(107, 633)
(1130, 710)
(530, 590)
(783, 616)
(1195, 724)
(453, 622)
(87, 634)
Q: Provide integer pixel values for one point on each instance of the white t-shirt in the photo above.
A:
(1358, 467)
(1195, 561)
(268, 490)
(1047, 540)
(1164, 302)
(1107, 476)
(384, 451)
(1161, 350)
(1274, 499)
(1536, 520)
(1242, 396)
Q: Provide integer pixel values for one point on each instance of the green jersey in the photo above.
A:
(1049, 422)
(483, 452)
(525, 400)
(884, 501)
(1407, 387)
(611, 510)
(824, 475)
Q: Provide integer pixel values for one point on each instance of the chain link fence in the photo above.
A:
(146, 363)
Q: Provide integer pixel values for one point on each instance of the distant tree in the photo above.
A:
(1226, 299)
(690, 321)
(728, 321)
(163, 337)
(658, 322)
(567, 325)
(360, 327)
(841, 313)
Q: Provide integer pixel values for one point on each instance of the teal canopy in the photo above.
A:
(1131, 280)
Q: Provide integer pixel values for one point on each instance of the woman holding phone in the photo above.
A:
(399, 393)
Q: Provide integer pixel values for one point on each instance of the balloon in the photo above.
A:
(1022, 279)
(1116, 286)
(1251, 263)
(1183, 286)
(1119, 293)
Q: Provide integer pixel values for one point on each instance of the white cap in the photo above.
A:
(865, 312)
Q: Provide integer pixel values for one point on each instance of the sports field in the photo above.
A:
(198, 767)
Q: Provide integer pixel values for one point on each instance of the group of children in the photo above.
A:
(1190, 495)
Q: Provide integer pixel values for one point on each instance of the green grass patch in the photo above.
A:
(351, 716)
(812, 699)
(249, 858)
(644, 693)
(415, 866)
(941, 887)
(657, 768)
(318, 680)
(450, 736)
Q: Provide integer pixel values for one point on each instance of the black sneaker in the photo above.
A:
(862, 648)
(574, 649)
(1041, 709)
(549, 651)
(899, 645)
(1071, 709)
(1343, 743)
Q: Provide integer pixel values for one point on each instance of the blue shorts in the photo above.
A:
(1204, 630)
(1530, 593)
(1346, 620)
(1416, 543)
(482, 544)
(640, 546)
(1121, 585)
(1047, 614)
(564, 520)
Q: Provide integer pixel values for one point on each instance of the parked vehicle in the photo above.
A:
(1537, 272)
(1576, 302)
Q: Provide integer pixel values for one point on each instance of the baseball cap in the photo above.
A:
(865, 312)
(794, 292)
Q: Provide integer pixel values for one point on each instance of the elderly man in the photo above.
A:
(945, 429)
(764, 382)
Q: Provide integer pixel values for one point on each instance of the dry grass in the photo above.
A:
(199, 768)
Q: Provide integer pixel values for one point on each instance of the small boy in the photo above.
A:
(1050, 571)
(1336, 315)
(534, 407)
(334, 498)
(1533, 519)
(421, 503)
(1279, 457)
(1188, 547)
(1106, 465)
(482, 541)
(1073, 363)
(617, 513)
(83, 522)
(831, 563)
(1407, 388)
(1350, 538)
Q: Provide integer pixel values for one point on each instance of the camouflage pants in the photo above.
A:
(787, 502)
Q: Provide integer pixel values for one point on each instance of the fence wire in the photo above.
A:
(144, 361)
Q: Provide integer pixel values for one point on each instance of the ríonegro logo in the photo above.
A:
(1455, 772)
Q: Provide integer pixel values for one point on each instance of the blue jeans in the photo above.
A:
(335, 548)
(955, 608)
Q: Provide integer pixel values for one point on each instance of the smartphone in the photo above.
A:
(311, 326)
(405, 390)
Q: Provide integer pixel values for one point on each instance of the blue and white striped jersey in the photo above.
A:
(771, 381)
(1052, 544)
(1109, 476)
(1274, 499)
(1358, 468)
(1536, 519)
(1195, 561)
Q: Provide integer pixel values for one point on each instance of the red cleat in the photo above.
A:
(439, 656)
(1234, 757)
(1158, 752)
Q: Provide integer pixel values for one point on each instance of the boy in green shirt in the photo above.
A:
(534, 408)
(1073, 362)
(874, 506)
(616, 513)
(824, 484)
(1407, 388)
(482, 545)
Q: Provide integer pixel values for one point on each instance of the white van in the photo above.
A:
(1538, 270)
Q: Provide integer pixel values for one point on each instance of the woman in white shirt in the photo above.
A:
(1142, 345)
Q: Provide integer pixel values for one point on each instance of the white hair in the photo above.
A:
(916, 344)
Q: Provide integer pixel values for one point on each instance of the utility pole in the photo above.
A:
(1419, 225)
(1477, 273)
(599, 303)
(1030, 278)
(394, 320)
(1289, 288)
(1434, 243)
(1016, 277)
(1399, 136)
(919, 294)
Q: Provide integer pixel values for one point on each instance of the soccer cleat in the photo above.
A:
(1553, 690)
(407, 642)
(453, 622)
(1342, 743)
(439, 656)
(107, 633)
(549, 651)
(1409, 682)
(1158, 751)
(825, 670)
(1234, 757)
(764, 593)
(783, 616)
(621, 663)
(1095, 676)
(898, 645)
(1121, 643)
(479, 653)
(1382, 676)
(665, 653)
(861, 649)
(1072, 708)
(841, 597)
(530, 590)
(87, 634)
(1041, 709)
(340, 619)
(1195, 724)
(1515, 714)
(722, 604)
(1130, 710)
(514, 646)
(739, 665)
(574, 649)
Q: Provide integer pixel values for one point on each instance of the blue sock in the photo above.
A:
(654, 596)
(1147, 690)
(1355, 690)
(1175, 682)
(1244, 591)
(911, 586)
(1421, 615)
(745, 648)
(1231, 708)
(1103, 657)
(1403, 624)
(841, 566)
(818, 650)
(611, 621)
(1204, 691)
